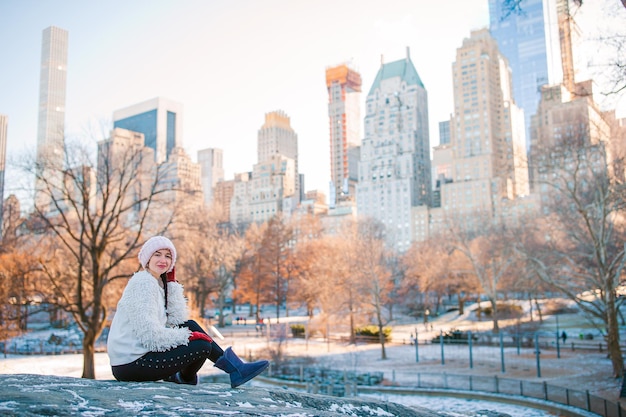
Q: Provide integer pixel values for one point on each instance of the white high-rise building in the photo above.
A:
(483, 171)
(277, 137)
(267, 191)
(212, 171)
(51, 122)
(272, 186)
(124, 163)
(394, 171)
(487, 132)
(159, 119)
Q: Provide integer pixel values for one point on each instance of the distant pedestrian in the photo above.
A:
(564, 336)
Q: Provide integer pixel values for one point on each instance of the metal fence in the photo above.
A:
(340, 383)
(538, 390)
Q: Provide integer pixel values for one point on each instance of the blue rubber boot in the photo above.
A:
(239, 371)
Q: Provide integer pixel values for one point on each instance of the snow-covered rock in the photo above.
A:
(39, 395)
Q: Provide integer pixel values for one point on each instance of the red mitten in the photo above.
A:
(200, 336)
(171, 276)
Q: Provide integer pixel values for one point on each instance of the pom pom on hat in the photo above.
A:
(154, 244)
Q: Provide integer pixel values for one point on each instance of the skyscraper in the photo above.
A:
(482, 173)
(530, 42)
(125, 164)
(444, 132)
(277, 137)
(212, 171)
(51, 122)
(344, 95)
(394, 172)
(159, 119)
(272, 188)
(487, 132)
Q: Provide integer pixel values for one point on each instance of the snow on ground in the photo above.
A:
(71, 365)
(458, 407)
(583, 370)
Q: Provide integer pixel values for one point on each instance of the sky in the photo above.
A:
(227, 62)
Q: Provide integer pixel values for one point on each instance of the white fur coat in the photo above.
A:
(141, 325)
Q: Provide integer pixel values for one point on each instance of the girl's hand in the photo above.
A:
(200, 336)
(171, 276)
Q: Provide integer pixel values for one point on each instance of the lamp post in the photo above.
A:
(558, 336)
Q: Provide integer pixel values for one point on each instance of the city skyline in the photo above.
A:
(256, 58)
(228, 64)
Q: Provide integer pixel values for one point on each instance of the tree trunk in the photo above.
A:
(220, 306)
(352, 332)
(381, 338)
(494, 315)
(539, 312)
(613, 347)
(89, 369)
(461, 306)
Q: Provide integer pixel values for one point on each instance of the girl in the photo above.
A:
(152, 339)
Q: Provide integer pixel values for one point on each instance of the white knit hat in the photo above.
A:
(154, 244)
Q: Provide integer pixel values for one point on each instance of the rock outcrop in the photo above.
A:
(38, 395)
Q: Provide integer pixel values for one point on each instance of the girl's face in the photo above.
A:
(159, 262)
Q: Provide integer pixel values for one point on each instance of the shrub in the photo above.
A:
(297, 330)
(504, 311)
(371, 333)
(454, 336)
(558, 307)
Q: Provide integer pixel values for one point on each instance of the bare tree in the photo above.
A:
(515, 6)
(226, 257)
(489, 251)
(210, 259)
(435, 267)
(20, 291)
(91, 224)
(374, 278)
(251, 286)
(326, 281)
(276, 248)
(315, 259)
(306, 229)
(579, 248)
(608, 63)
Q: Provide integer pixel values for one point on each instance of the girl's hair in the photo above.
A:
(164, 279)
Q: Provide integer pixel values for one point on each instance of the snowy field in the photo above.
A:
(457, 407)
(71, 365)
(587, 372)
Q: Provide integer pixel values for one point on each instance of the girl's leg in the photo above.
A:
(228, 361)
(182, 363)
(154, 366)
(198, 347)
(216, 350)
